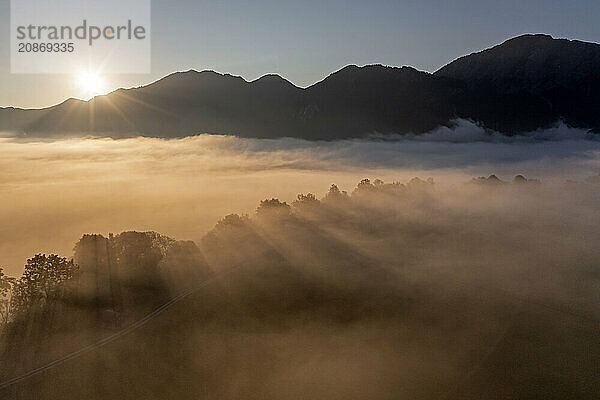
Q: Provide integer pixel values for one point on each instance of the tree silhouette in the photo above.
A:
(232, 220)
(42, 280)
(6, 285)
(306, 201)
(365, 186)
(334, 194)
(273, 208)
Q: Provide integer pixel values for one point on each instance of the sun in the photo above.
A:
(91, 83)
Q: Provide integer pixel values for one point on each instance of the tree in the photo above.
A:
(273, 209)
(42, 280)
(6, 286)
(365, 186)
(306, 201)
(334, 194)
(232, 221)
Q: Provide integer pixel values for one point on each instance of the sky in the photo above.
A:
(304, 41)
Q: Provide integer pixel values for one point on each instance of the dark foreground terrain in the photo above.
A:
(487, 290)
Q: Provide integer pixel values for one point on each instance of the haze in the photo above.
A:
(52, 192)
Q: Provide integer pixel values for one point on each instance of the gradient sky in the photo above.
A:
(306, 40)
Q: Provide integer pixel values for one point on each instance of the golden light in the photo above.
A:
(91, 83)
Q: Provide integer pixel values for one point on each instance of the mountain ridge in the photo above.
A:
(525, 83)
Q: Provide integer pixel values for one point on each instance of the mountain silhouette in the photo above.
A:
(525, 83)
(563, 73)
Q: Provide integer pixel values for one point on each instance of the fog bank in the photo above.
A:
(51, 192)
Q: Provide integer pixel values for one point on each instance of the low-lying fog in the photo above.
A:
(51, 192)
(456, 290)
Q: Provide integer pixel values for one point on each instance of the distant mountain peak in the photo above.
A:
(530, 36)
(562, 73)
(194, 74)
(374, 72)
(540, 38)
(272, 79)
